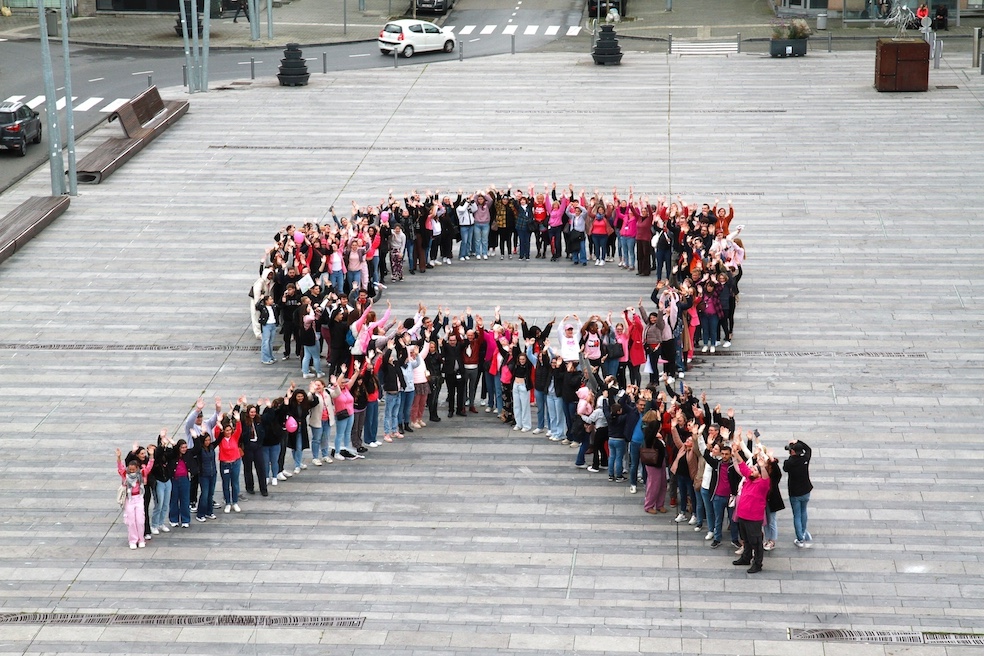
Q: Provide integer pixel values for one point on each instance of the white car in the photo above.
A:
(409, 36)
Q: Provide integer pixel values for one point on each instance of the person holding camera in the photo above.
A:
(797, 467)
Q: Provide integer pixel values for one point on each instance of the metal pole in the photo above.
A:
(512, 37)
(958, 14)
(150, 81)
(982, 64)
(192, 88)
(207, 26)
(830, 42)
(73, 187)
(669, 44)
(396, 57)
(324, 63)
(254, 20)
(938, 53)
(739, 42)
(269, 19)
(344, 16)
(976, 46)
(195, 46)
(461, 54)
(55, 162)
(184, 75)
(252, 68)
(389, 9)
(669, 5)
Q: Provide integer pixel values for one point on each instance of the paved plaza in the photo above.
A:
(860, 331)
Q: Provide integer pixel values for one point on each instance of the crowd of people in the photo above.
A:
(610, 385)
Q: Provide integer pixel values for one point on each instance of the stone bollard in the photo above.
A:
(606, 50)
(293, 68)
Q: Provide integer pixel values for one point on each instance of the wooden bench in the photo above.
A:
(27, 220)
(143, 118)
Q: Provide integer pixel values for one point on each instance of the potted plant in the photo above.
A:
(789, 38)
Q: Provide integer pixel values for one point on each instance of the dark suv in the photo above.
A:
(18, 124)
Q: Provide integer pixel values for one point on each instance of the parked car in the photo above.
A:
(621, 6)
(18, 125)
(409, 36)
(436, 6)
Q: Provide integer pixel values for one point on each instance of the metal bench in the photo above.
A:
(143, 118)
(703, 47)
(27, 220)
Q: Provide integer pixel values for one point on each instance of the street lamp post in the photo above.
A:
(55, 161)
(73, 187)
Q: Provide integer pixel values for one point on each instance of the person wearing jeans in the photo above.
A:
(797, 467)
(206, 479)
(480, 240)
(268, 322)
(230, 465)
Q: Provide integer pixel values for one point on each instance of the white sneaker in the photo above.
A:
(488, 409)
(698, 529)
(726, 343)
(680, 518)
(601, 263)
(462, 259)
(281, 477)
(524, 430)
(326, 460)
(669, 380)
(373, 445)
(297, 470)
(227, 509)
(303, 466)
(703, 349)
(632, 489)
(236, 507)
(693, 520)
(154, 531)
(164, 528)
(485, 257)
(713, 349)
(709, 536)
(316, 462)
(516, 427)
(537, 431)
(273, 481)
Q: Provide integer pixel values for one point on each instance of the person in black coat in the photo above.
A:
(274, 438)
(453, 370)
(254, 455)
(797, 465)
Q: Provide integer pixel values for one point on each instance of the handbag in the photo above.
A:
(615, 350)
(342, 414)
(121, 494)
(649, 456)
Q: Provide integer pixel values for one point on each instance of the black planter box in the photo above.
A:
(787, 47)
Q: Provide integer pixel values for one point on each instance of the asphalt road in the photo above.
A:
(102, 75)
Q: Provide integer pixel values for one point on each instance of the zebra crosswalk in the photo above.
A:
(85, 106)
(507, 30)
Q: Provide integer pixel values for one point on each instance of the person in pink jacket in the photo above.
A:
(134, 477)
(750, 508)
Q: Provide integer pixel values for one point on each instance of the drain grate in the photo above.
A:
(888, 637)
(828, 354)
(126, 347)
(129, 619)
(395, 149)
(947, 86)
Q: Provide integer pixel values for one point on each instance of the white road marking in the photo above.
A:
(467, 29)
(473, 40)
(510, 29)
(531, 29)
(116, 104)
(60, 103)
(573, 30)
(88, 104)
(488, 29)
(552, 30)
(449, 28)
(365, 54)
(97, 79)
(35, 102)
